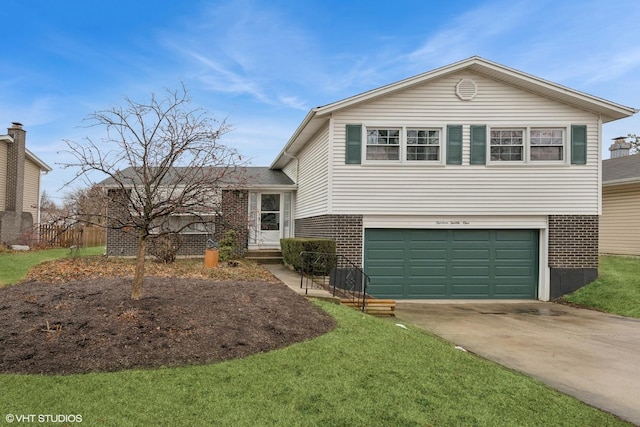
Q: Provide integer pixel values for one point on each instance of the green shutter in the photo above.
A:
(478, 145)
(353, 149)
(578, 145)
(454, 145)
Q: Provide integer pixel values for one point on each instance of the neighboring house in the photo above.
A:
(20, 172)
(619, 230)
(473, 180)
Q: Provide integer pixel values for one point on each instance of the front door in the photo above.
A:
(269, 219)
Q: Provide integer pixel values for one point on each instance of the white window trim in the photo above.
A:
(403, 144)
(526, 155)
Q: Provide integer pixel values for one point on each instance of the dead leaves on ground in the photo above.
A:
(69, 269)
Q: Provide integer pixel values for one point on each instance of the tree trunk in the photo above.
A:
(136, 290)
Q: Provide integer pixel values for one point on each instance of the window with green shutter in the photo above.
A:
(578, 145)
(454, 144)
(478, 145)
(353, 149)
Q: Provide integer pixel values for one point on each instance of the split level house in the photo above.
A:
(619, 231)
(20, 172)
(473, 180)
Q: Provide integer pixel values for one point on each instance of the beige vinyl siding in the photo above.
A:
(31, 192)
(3, 175)
(619, 233)
(313, 180)
(494, 189)
(291, 169)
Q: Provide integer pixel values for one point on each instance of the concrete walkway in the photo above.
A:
(292, 280)
(592, 356)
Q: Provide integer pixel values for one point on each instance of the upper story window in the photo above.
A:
(383, 144)
(423, 144)
(546, 144)
(507, 145)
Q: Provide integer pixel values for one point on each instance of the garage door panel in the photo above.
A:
(469, 271)
(469, 235)
(508, 254)
(469, 290)
(427, 235)
(521, 272)
(512, 290)
(442, 263)
(427, 291)
(428, 271)
(427, 254)
(467, 253)
(387, 253)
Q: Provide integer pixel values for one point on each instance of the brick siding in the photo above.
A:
(234, 215)
(346, 230)
(573, 241)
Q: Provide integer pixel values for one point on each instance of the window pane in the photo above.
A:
(270, 202)
(383, 153)
(546, 153)
(547, 144)
(270, 221)
(383, 144)
(506, 145)
(423, 153)
(423, 144)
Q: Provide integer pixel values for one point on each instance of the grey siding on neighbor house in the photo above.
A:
(619, 233)
(620, 205)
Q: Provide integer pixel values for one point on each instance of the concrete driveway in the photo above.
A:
(592, 356)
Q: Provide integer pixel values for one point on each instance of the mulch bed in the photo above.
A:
(92, 325)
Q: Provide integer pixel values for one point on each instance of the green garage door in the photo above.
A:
(415, 264)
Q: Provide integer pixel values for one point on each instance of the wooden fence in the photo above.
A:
(61, 236)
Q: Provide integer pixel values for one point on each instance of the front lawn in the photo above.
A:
(367, 372)
(617, 289)
(14, 265)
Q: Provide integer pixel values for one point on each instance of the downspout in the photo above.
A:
(600, 147)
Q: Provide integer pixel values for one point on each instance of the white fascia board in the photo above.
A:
(42, 165)
(283, 153)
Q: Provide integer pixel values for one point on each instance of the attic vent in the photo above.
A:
(466, 89)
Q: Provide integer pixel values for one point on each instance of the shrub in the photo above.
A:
(228, 245)
(292, 247)
(165, 247)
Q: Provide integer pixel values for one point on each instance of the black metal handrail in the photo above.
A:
(335, 273)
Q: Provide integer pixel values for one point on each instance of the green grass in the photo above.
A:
(617, 289)
(15, 265)
(367, 372)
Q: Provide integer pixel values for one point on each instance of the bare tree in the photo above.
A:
(87, 205)
(162, 159)
(635, 143)
(50, 212)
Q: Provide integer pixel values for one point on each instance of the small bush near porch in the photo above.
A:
(292, 247)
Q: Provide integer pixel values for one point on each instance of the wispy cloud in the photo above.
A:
(222, 79)
(244, 48)
(488, 26)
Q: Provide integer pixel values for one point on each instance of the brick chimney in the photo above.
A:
(620, 147)
(15, 168)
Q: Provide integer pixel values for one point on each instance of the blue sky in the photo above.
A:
(264, 64)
